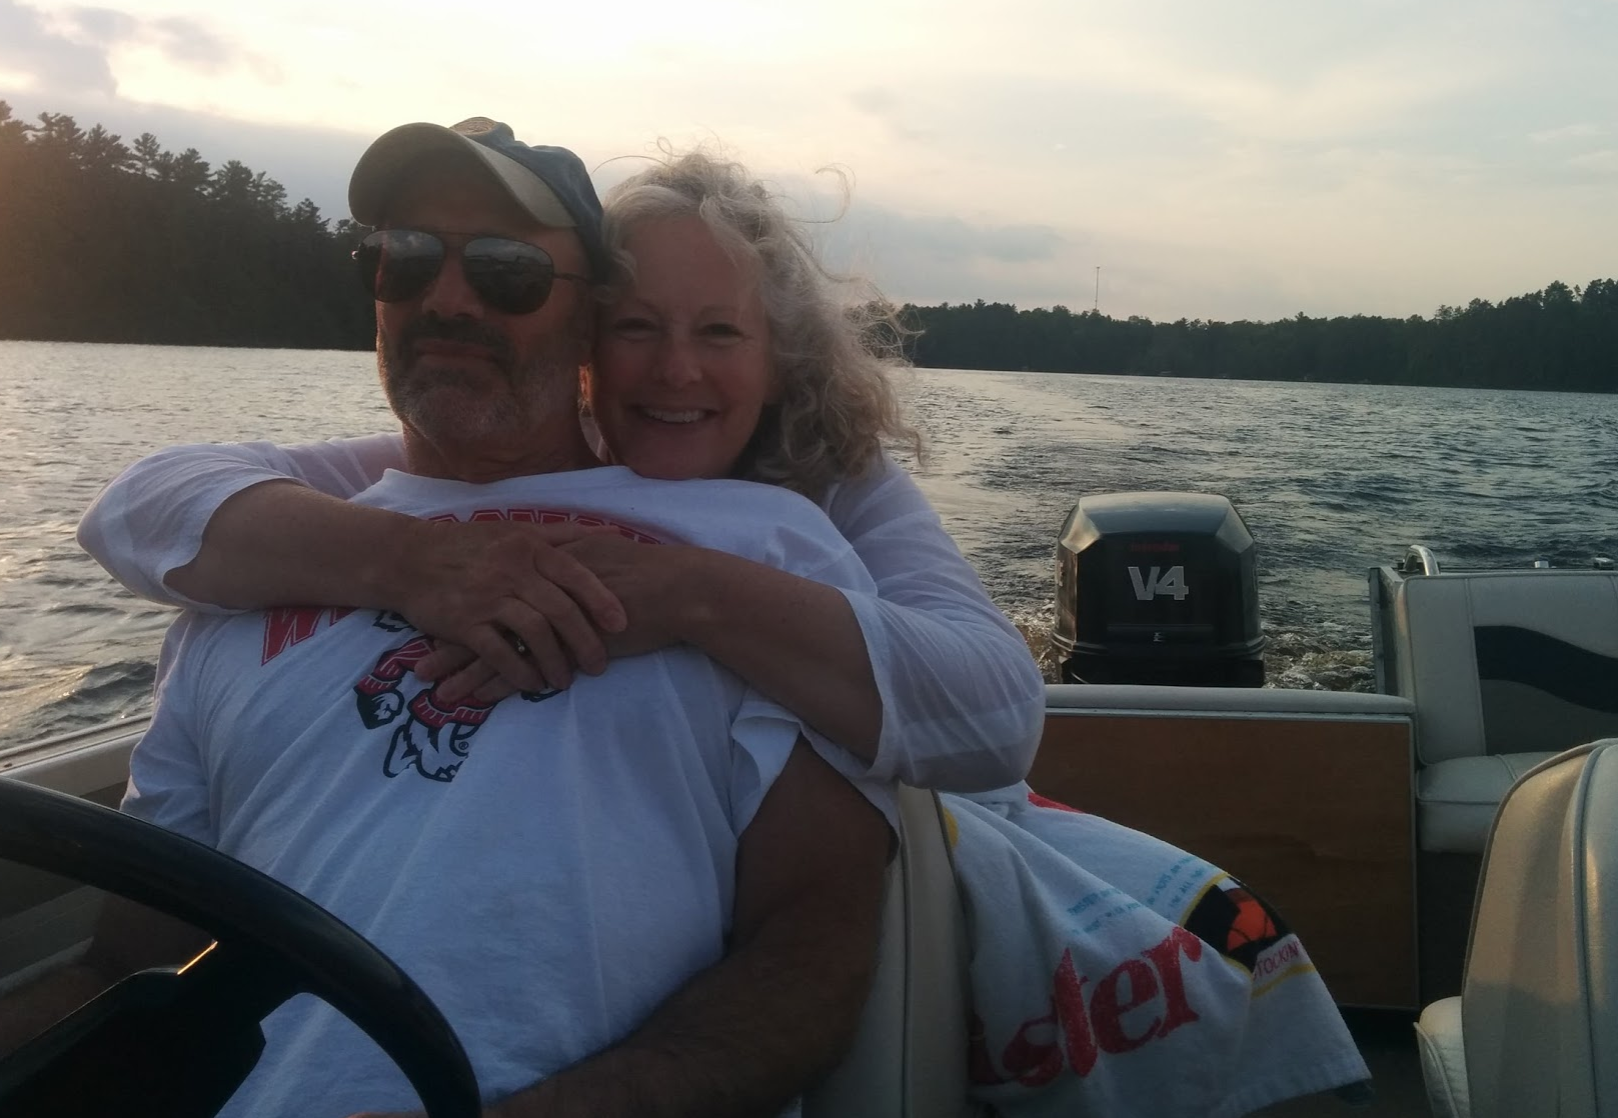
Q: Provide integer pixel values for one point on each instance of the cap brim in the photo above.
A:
(387, 163)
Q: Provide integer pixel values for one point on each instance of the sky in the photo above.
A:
(1250, 159)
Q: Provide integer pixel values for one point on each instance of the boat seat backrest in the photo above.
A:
(1539, 1007)
(909, 1058)
(1501, 662)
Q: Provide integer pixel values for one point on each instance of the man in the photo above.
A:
(645, 894)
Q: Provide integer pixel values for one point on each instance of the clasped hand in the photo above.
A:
(570, 594)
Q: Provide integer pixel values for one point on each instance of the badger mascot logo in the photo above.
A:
(434, 737)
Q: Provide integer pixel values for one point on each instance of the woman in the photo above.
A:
(758, 371)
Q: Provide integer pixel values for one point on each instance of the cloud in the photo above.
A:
(939, 239)
(1302, 75)
(190, 44)
(876, 100)
(71, 52)
(885, 106)
(1568, 133)
(1605, 161)
(101, 26)
(45, 59)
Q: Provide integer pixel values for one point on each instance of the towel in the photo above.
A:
(1114, 974)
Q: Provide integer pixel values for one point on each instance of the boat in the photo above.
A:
(1339, 808)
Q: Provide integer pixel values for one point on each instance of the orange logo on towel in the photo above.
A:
(1236, 922)
(1250, 925)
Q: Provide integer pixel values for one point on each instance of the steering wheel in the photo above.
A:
(179, 1041)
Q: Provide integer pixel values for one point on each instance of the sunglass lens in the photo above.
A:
(398, 264)
(511, 276)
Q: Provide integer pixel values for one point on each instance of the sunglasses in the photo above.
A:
(512, 277)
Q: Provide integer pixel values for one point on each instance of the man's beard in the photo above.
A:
(450, 404)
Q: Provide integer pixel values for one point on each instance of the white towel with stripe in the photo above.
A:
(1113, 974)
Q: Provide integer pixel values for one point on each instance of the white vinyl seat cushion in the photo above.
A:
(1476, 735)
(1443, 1059)
(1456, 799)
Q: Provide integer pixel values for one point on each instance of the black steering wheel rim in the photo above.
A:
(235, 903)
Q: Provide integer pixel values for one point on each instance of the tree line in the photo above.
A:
(104, 241)
(1560, 338)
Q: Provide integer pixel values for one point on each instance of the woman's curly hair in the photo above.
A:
(836, 408)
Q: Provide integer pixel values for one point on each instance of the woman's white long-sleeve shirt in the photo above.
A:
(962, 700)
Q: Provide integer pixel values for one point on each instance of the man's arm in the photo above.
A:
(749, 1034)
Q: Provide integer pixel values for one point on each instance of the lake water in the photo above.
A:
(1331, 479)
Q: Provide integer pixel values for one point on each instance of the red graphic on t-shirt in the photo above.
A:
(434, 737)
(547, 516)
(292, 625)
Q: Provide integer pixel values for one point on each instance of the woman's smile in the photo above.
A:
(678, 418)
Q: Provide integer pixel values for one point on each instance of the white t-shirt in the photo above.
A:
(548, 869)
(963, 703)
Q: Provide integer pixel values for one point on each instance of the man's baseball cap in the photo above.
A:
(549, 183)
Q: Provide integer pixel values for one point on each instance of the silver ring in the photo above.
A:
(520, 645)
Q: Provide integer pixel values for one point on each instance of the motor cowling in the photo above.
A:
(1158, 588)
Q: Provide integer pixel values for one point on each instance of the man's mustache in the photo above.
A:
(456, 330)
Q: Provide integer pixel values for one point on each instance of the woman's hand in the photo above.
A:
(510, 595)
(794, 640)
(657, 586)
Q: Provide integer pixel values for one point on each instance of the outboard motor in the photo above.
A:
(1158, 588)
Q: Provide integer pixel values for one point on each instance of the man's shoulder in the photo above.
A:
(765, 523)
(696, 505)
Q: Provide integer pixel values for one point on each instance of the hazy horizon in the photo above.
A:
(1251, 161)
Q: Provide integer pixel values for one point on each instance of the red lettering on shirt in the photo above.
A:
(292, 625)
(550, 516)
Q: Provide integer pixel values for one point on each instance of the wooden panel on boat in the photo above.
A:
(1314, 813)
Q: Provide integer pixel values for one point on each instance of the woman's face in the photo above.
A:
(682, 363)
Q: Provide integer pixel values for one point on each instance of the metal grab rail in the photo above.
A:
(1419, 560)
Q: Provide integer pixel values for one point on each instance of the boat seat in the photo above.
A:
(909, 1058)
(1535, 1030)
(1506, 668)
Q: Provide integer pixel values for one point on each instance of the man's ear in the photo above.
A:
(586, 379)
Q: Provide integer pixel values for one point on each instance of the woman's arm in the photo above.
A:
(925, 681)
(963, 702)
(793, 639)
(253, 525)
(154, 519)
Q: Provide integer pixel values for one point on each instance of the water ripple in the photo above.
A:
(1331, 479)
